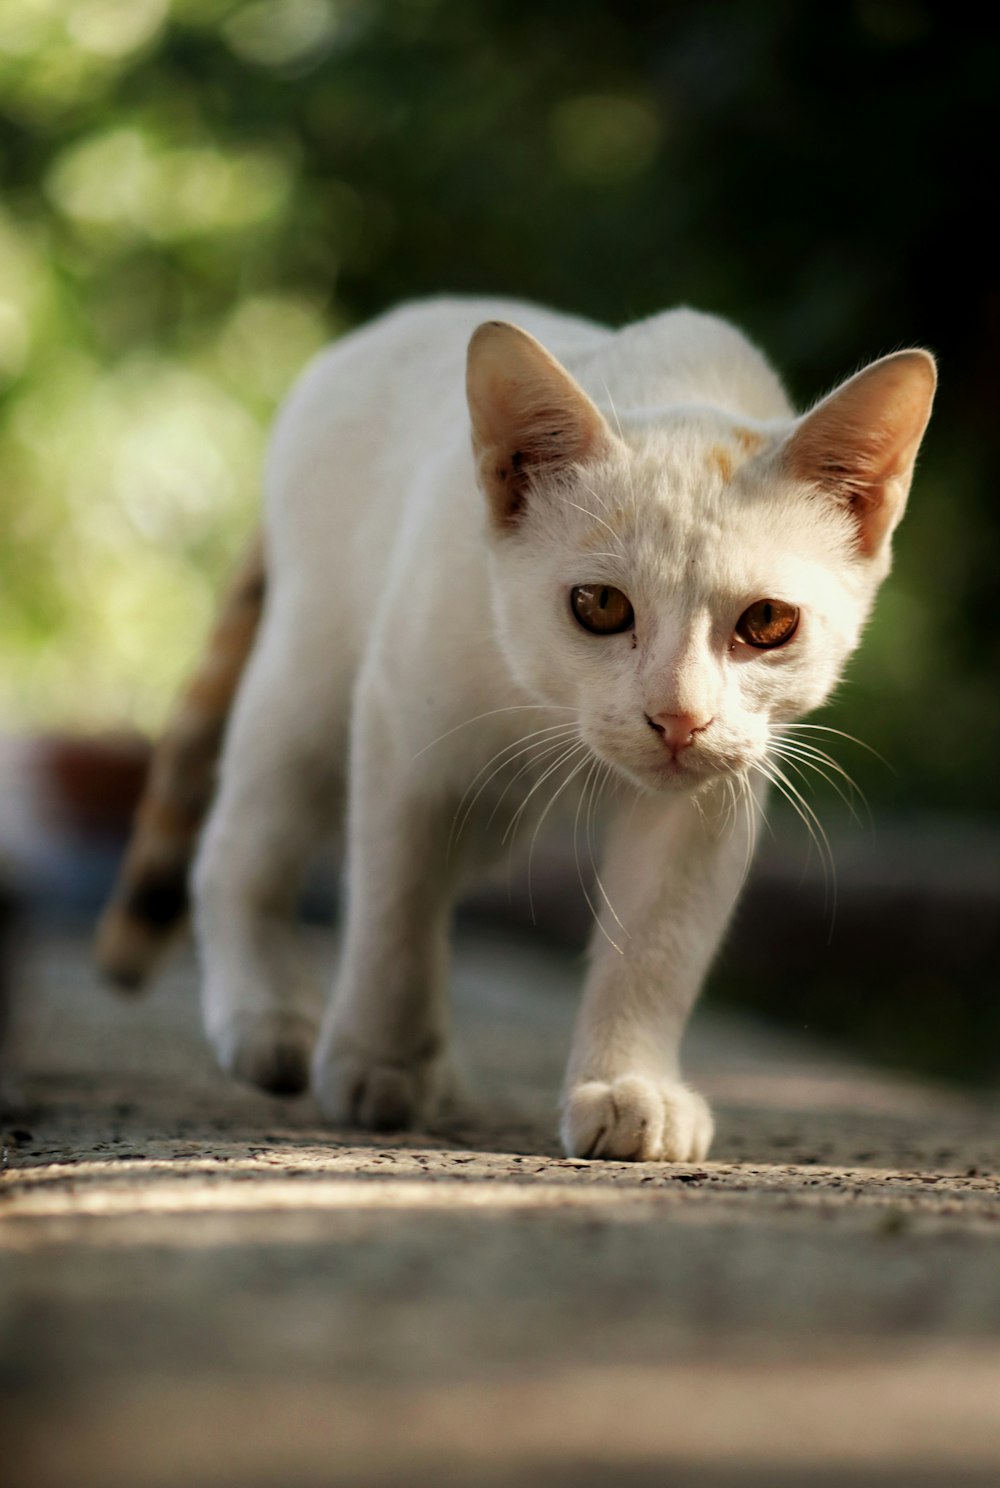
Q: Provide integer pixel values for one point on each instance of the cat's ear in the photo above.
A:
(859, 444)
(529, 417)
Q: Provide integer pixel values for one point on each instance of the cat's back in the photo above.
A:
(395, 388)
(680, 357)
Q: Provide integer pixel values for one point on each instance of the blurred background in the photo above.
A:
(196, 194)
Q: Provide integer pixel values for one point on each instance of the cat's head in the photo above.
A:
(687, 579)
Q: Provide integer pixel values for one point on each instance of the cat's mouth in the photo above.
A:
(685, 771)
(680, 768)
(691, 769)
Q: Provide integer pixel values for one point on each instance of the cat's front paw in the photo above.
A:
(636, 1119)
(271, 1050)
(360, 1089)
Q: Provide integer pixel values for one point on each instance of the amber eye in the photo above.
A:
(601, 609)
(767, 623)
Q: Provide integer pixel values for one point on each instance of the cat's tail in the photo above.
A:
(149, 902)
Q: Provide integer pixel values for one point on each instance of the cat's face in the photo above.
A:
(678, 612)
(689, 582)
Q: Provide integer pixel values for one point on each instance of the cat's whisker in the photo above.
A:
(773, 772)
(752, 814)
(554, 735)
(751, 808)
(636, 796)
(792, 749)
(819, 757)
(509, 752)
(735, 793)
(787, 733)
(824, 728)
(730, 803)
(538, 753)
(538, 825)
(816, 829)
(761, 808)
(699, 810)
(576, 845)
(801, 771)
(491, 713)
(588, 787)
(807, 746)
(809, 755)
(726, 809)
(801, 758)
(550, 770)
(533, 750)
(603, 777)
(719, 820)
(736, 805)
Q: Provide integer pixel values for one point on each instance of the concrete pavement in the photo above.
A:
(203, 1285)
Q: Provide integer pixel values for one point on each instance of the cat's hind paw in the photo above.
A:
(356, 1089)
(636, 1119)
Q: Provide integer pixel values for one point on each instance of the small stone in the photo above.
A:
(893, 1222)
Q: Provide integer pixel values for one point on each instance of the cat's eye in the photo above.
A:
(767, 623)
(601, 609)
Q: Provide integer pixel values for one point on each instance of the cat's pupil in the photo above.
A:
(601, 608)
(768, 623)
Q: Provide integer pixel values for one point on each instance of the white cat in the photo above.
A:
(661, 569)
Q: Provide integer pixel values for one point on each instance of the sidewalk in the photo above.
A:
(200, 1285)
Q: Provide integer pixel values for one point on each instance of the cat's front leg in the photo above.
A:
(672, 875)
(381, 1061)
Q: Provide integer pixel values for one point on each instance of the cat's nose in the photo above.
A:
(678, 729)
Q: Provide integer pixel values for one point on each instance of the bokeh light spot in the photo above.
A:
(604, 137)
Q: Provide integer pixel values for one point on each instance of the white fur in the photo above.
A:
(408, 643)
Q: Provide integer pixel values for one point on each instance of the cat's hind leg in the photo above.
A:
(280, 790)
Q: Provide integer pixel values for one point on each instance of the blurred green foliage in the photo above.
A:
(197, 193)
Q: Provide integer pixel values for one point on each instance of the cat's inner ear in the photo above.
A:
(859, 444)
(529, 417)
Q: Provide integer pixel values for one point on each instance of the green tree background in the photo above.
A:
(196, 194)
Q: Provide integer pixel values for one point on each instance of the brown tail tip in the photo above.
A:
(133, 934)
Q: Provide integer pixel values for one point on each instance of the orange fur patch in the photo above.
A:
(723, 461)
(748, 441)
(150, 897)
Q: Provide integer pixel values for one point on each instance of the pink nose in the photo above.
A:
(678, 729)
